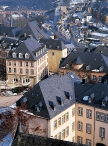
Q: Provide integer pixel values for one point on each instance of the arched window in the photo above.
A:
(20, 55)
(14, 54)
(27, 56)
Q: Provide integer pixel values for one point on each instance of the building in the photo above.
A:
(91, 66)
(56, 51)
(92, 113)
(33, 28)
(27, 63)
(51, 104)
(65, 108)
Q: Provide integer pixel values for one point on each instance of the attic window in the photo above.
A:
(60, 100)
(101, 68)
(14, 54)
(58, 47)
(67, 94)
(20, 55)
(27, 56)
(88, 67)
(38, 106)
(52, 105)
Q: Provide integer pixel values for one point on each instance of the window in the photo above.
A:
(32, 64)
(27, 56)
(20, 55)
(14, 63)
(100, 79)
(67, 116)
(79, 140)
(20, 63)
(106, 118)
(59, 135)
(102, 117)
(73, 112)
(9, 63)
(15, 79)
(63, 134)
(94, 78)
(73, 126)
(63, 119)
(80, 111)
(27, 71)
(88, 142)
(52, 53)
(26, 64)
(88, 128)
(32, 72)
(88, 114)
(73, 139)
(9, 70)
(97, 116)
(55, 137)
(14, 70)
(59, 121)
(27, 79)
(14, 55)
(102, 132)
(20, 71)
(67, 131)
(55, 124)
(80, 126)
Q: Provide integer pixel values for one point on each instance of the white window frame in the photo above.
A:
(79, 140)
(63, 134)
(89, 113)
(79, 126)
(59, 121)
(59, 136)
(73, 112)
(14, 55)
(73, 126)
(94, 78)
(102, 132)
(102, 117)
(67, 116)
(55, 124)
(80, 111)
(63, 119)
(97, 114)
(88, 128)
(20, 55)
(106, 118)
(88, 142)
(100, 79)
(67, 131)
(26, 55)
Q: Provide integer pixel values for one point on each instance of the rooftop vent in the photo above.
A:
(60, 100)
(67, 94)
(38, 106)
(52, 105)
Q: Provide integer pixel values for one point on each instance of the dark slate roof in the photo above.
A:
(31, 46)
(34, 140)
(77, 61)
(32, 28)
(99, 90)
(94, 60)
(99, 49)
(47, 91)
(9, 31)
(53, 44)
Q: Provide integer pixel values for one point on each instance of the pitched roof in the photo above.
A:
(47, 91)
(53, 44)
(31, 46)
(94, 60)
(32, 28)
(31, 140)
(99, 91)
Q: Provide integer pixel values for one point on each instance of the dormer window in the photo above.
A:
(27, 56)
(88, 67)
(52, 105)
(101, 68)
(60, 100)
(38, 106)
(20, 55)
(14, 54)
(67, 94)
(36, 54)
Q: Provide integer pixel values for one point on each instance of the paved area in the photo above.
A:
(8, 100)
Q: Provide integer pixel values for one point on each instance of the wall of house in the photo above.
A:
(84, 121)
(40, 68)
(55, 131)
(99, 124)
(54, 57)
(97, 74)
